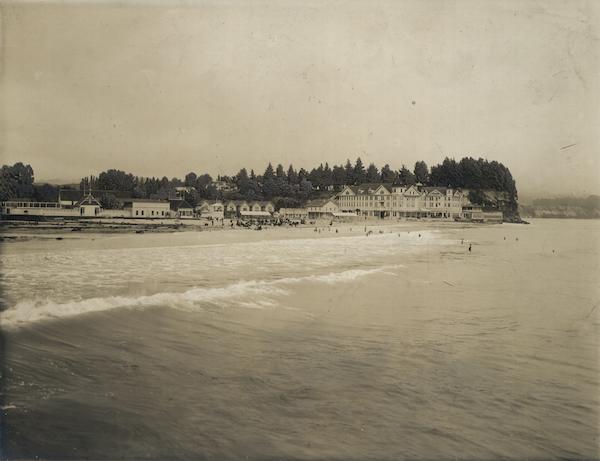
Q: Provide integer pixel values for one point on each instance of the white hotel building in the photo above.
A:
(391, 201)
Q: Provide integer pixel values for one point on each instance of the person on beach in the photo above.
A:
(469, 247)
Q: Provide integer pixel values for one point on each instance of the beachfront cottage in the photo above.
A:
(181, 209)
(240, 208)
(88, 206)
(244, 206)
(262, 205)
(211, 209)
(147, 208)
(320, 208)
(231, 209)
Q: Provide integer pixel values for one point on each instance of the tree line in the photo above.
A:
(17, 181)
(285, 186)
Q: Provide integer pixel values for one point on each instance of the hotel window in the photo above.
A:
(142, 212)
(136, 212)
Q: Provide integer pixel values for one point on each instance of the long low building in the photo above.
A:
(89, 207)
(293, 213)
(147, 208)
(232, 209)
(86, 207)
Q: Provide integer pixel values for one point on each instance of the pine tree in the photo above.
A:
(360, 176)
(372, 173)
(421, 172)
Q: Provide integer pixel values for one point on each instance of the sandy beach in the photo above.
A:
(25, 238)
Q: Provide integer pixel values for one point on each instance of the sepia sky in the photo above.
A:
(158, 89)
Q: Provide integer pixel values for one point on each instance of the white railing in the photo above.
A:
(17, 204)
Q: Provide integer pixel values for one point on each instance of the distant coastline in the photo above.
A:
(563, 208)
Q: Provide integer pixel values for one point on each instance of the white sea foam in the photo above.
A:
(29, 311)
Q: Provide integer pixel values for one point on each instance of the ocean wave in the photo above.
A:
(30, 311)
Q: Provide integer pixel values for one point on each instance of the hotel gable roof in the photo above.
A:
(384, 189)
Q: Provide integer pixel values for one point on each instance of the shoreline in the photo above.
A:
(23, 228)
(19, 241)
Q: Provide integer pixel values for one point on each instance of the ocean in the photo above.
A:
(296, 344)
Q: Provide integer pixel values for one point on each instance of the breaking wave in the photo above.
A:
(29, 311)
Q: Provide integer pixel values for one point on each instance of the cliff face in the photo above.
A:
(493, 200)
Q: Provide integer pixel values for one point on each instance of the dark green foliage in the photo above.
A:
(291, 186)
(421, 172)
(116, 180)
(477, 176)
(279, 171)
(190, 179)
(406, 177)
(109, 201)
(473, 174)
(338, 176)
(388, 175)
(292, 176)
(359, 173)
(16, 181)
(349, 176)
(45, 193)
(286, 202)
(373, 173)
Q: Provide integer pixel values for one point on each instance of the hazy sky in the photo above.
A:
(163, 89)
